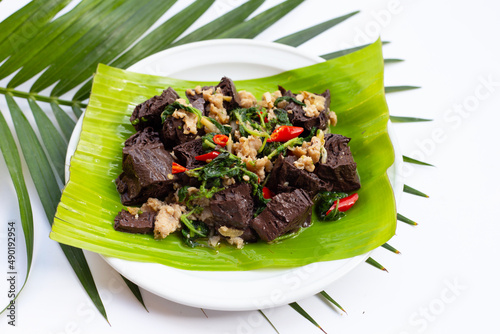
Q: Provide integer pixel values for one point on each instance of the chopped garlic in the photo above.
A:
(229, 144)
(315, 104)
(332, 117)
(216, 108)
(236, 241)
(311, 149)
(268, 99)
(227, 181)
(247, 147)
(214, 240)
(207, 93)
(152, 205)
(260, 166)
(190, 120)
(133, 210)
(168, 220)
(305, 162)
(247, 100)
(230, 232)
(270, 114)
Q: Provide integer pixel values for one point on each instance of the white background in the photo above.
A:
(445, 280)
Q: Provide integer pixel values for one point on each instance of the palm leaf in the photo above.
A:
(41, 98)
(415, 161)
(413, 191)
(269, 321)
(38, 164)
(16, 29)
(401, 119)
(209, 30)
(394, 89)
(77, 260)
(392, 60)
(54, 41)
(135, 290)
(163, 36)
(375, 264)
(303, 36)
(214, 28)
(124, 25)
(65, 122)
(259, 23)
(76, 110)
(344, 52)
(408, 221)
(49, 193)
(331, 300)
(390, 248)
(54, 143)
(157, 40)
(13, 162)
(303, 313)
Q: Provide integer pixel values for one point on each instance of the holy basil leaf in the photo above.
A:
(192, 231)
(288, 99)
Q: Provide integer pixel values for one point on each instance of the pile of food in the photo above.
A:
(226, 166)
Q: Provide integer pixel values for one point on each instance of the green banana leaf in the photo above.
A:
(90, 201)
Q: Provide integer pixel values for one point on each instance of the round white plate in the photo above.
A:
(232, 290)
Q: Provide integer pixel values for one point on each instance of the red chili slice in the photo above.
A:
(208, 156)
(267, 193)
(285, 133)
(265, 118)
(176, 168)
(345, 203)
(221, 140)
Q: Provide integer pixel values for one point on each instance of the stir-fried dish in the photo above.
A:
(224, 166)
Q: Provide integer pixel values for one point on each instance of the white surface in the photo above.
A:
(445, 281)
(248, 290)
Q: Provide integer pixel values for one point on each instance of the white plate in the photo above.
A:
(232, 290)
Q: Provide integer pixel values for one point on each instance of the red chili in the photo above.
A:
(208, 156)
(267, 193)
(221, 140)
(345, 203)
(285, 133)
(265, 118)
(176, 168)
